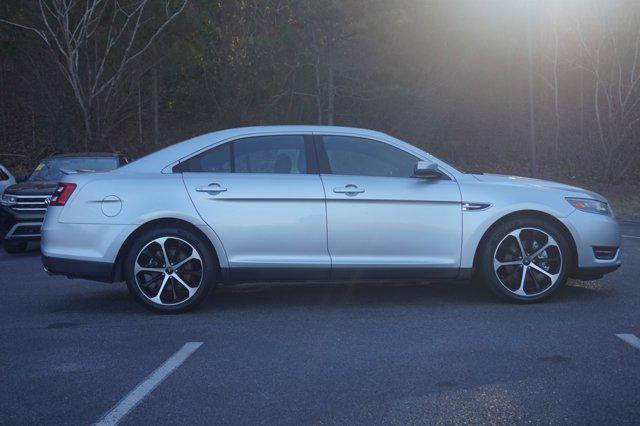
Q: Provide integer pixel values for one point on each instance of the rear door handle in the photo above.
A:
(213, 188)
(349, 190)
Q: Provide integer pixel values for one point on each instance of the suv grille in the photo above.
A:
(34, 204)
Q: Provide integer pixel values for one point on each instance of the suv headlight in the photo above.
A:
(8, 200)
(590, 206)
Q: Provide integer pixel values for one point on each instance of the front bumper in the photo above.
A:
(591, 231)
(20, 227)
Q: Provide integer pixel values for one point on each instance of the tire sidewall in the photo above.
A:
(206, 256)
(490, 277)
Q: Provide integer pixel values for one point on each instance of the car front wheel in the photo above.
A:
(170, 270)
(525, 259)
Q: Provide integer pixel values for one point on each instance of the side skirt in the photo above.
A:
(272, 274)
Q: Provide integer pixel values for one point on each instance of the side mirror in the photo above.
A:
(427, 170)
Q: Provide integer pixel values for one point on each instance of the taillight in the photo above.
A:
(62, 194)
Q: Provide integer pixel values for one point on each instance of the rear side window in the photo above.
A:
(365, 157)
(270, 154)
(214, 160)
(3, 175)
(264, 154)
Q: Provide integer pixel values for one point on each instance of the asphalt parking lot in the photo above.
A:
(72, 350)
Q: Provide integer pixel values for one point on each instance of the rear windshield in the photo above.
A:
(51, 169)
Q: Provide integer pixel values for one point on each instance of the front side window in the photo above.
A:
(263, 154)
(365, 157)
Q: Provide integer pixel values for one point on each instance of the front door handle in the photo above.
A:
(349, 190)
(213, 188)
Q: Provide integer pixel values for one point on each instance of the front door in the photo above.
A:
(381, 221)
(265, 201)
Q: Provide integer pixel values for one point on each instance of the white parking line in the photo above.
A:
(133, 398)
(631, 236)
(630, 339)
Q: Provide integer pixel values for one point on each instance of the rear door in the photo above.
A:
(382, 222)
(265, 200)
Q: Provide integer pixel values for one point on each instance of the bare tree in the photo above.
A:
(612, 57)
(96, 45)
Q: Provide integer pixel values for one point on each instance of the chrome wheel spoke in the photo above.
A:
(194, 255)
(162, 242)
(185, 285)
(535, 280)
(520, 290)
(539, 252)
(516, 235)
(497, 263)
(156, 299)
(539, 269)
(139, 268)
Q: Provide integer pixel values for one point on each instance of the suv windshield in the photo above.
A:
(51, 168)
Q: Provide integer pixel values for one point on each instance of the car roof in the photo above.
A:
(158, 160)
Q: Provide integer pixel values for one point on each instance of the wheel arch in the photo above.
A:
(118, 271)
(529, 213)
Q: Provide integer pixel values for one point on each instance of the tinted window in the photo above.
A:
(51, 168)
(270, 154)
(3, 175)
(264, 154)
(214, 160)
(366, 157)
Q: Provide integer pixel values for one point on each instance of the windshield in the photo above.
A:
(51, 169)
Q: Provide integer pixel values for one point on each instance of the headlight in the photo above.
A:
(590, 206)
(8, 200)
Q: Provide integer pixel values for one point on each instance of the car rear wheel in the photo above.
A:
(525, 260)
(15, 247)
(170, 270)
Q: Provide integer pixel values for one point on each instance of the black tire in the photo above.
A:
(500, 233)
(174, 234)
(15, 247)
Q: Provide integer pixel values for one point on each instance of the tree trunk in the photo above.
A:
(140, 110)
(318, 90)
(331, 95)
(155, 106)
(532, 119)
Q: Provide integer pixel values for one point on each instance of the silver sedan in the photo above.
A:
(319, 203)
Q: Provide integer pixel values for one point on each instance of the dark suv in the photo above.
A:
(24, 204)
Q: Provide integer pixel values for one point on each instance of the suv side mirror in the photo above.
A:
(427, 170)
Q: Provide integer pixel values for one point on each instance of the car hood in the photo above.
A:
(537, 183)
(32, 188)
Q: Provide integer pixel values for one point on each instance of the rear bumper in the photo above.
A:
(72, 268)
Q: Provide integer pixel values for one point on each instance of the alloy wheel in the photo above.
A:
(168, 271)
(527, 262)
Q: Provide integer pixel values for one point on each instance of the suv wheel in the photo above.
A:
(15, 247)
(525, 260)
(170, 269)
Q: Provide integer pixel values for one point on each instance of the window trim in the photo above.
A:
(309, 151)
(325, 166)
